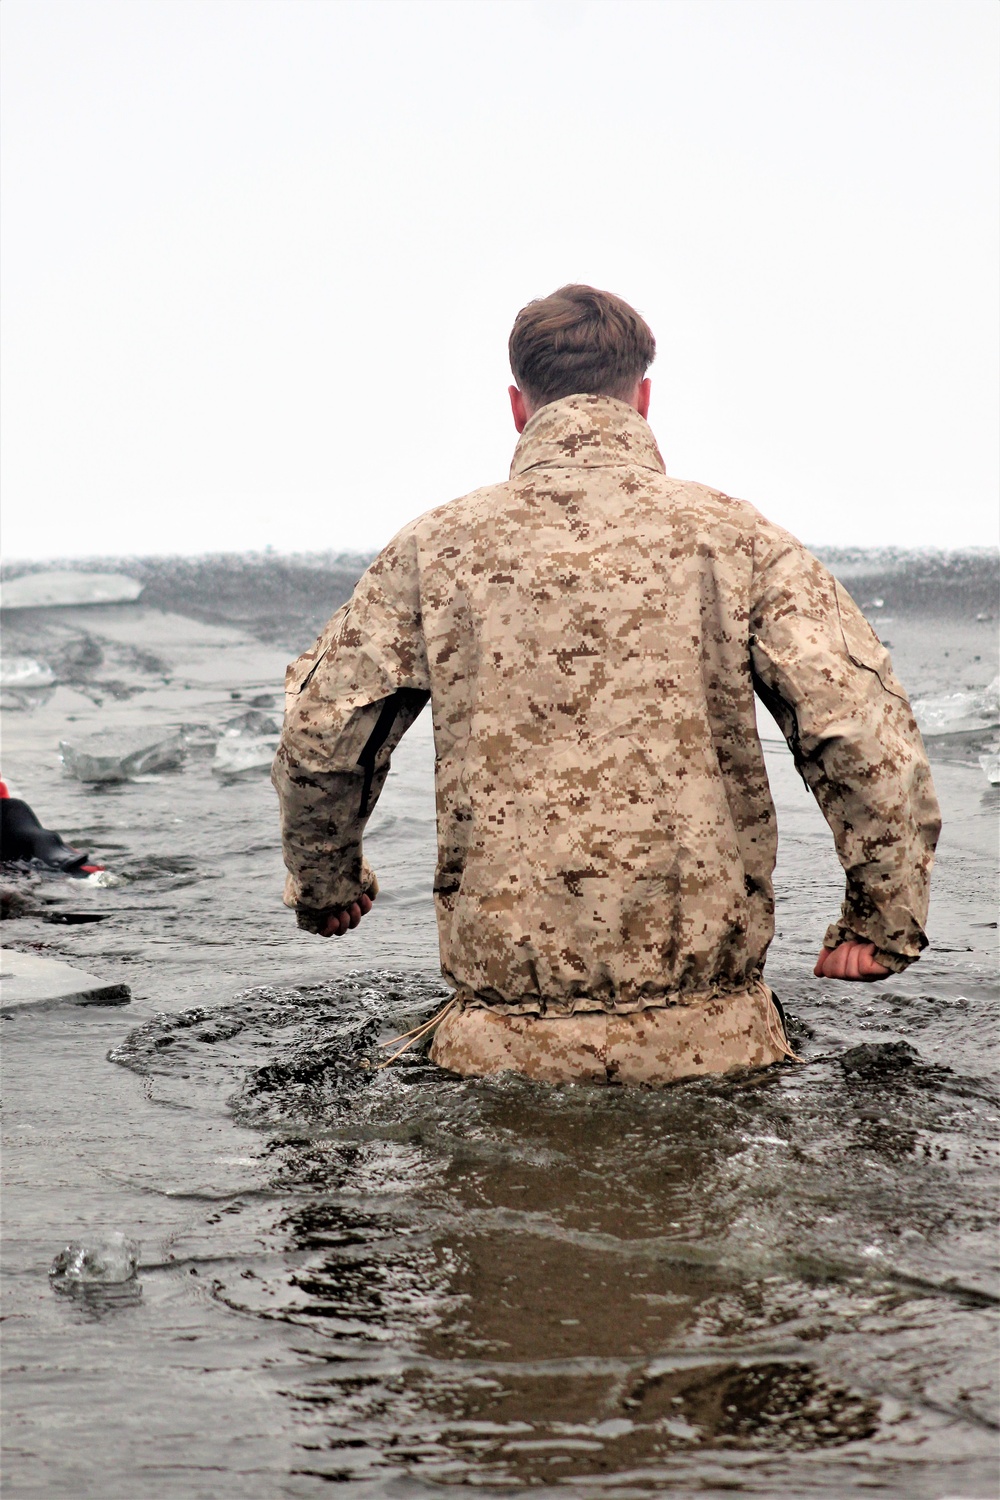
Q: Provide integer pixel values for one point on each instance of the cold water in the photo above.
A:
(394, 1281)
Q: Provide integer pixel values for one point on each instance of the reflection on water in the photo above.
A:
(504, 1283)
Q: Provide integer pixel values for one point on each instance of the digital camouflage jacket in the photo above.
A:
(590, 635)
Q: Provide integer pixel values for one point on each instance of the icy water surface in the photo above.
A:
(395, 1281)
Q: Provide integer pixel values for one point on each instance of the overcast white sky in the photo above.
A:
(261, 257)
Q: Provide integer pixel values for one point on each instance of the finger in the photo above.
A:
(365, 904)
(837, 967)
(866, 955)
(822, 964)
(851, 964)
(353, 915)
(841, 966)
(869, 966)
(836, 960)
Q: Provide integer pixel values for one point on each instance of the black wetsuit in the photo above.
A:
(22, 837)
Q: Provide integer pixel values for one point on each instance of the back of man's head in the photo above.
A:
(579, 341)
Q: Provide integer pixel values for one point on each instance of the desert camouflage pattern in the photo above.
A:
(590, 635)
(662, 1044)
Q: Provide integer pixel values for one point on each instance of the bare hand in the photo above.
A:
(852, 960)
(349, 916)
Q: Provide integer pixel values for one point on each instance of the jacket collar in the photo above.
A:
(585, 432)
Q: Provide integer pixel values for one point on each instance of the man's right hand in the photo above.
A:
(851, 960)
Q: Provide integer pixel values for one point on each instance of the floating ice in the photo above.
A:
(247, 745)
(199, 740)
(32, 982)
(252, 722)
(25, 672)
(243, 755)
(120, 754)
(959, 713)
(106, 1259)
(45, 590)
(990, 763)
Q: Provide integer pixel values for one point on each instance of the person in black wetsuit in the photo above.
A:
(22, 838)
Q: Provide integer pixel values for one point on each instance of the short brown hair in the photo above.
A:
(579, 341)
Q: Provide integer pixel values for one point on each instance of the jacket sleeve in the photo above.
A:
(828, 681)
(348, 702)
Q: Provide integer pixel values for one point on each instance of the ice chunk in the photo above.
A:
(243, 754)
(31, 982)
(199, 740)
(120, 754)
(106, 1259)
(252, 722)
(247, 745)
(25, 672)
(959, 713)
(45, 590)
(990, 763)
(240, 735)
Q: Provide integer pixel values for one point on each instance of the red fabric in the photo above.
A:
(3, 790)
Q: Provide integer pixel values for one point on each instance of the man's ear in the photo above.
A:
(642, 397)
(518, 407)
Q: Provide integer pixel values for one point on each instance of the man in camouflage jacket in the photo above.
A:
(590, 635)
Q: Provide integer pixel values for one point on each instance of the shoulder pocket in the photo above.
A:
(863, 645)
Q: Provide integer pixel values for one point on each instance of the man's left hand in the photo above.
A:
(852, 960)
(339, 922)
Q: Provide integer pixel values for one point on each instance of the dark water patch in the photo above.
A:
(874, 1062)
(156, 866)
(773, 1404)
(294, 1054)
(161, 872)
(521, 1428)
(314, 1078)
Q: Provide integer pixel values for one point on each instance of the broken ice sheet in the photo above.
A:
(25, 672)
(990, 763)
(252, 722)
(958, 713)
(63, 587)
(199, 740)
(121, 754)
(243, 755)
(247, 745)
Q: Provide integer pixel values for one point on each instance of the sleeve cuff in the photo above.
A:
(837, 933)
(314, 919)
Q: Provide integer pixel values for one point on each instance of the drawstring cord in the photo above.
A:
(775, 1031)
(410, 1038)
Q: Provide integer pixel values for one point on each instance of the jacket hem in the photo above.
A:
(537, 1005)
